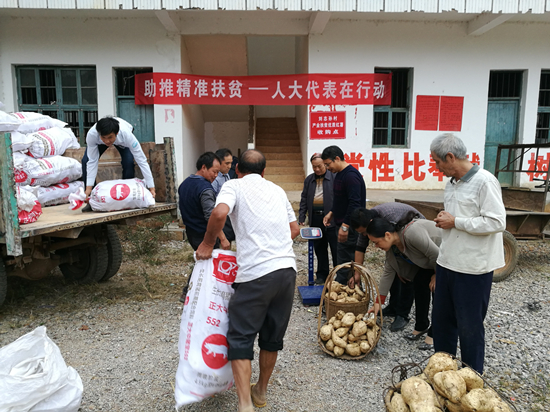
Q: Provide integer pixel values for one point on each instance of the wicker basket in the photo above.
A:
(331, 307)
(403, 371)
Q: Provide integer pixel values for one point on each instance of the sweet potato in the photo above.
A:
(397, 403)
(371, 337)
(359, 317)
(359, 328)
(353, 349)
(335, 286)
(331, 321)
(339, 351)
(333, 296)
(348, 320)
(341, 331)
(477, 401)
(418, 395)
(358, 290)
(472, 379)
(352, 337)
(337, 324)
(440, 362)
(338, 341)
(500, 406)
(453, 407)
(330, 345)
(364, 346)
(449, 384)
(326, 332)
(340, 314)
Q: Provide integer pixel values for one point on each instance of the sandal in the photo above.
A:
(256, 403)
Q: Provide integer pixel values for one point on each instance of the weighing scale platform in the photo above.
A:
(311, 295)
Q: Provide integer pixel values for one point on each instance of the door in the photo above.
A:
(502, 118)
(142, 116)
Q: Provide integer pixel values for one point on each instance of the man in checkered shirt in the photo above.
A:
(264, 225)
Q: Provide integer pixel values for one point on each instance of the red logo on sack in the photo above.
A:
(62, 185)
(225, 268)
(214, 351)
(20, 176)
(120, 191)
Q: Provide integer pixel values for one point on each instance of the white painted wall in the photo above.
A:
(271, 55)
(230, 135)
(103, 43)
(446, 62)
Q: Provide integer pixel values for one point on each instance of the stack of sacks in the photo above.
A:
(28, 206)
(38, 146)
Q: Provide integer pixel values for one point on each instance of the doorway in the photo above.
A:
(502, 119)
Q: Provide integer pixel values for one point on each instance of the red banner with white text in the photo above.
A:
(291, 89)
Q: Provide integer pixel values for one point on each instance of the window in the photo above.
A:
(391, 123)
(66, 93)
(543, 115)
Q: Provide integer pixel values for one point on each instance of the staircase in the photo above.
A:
(278, 140)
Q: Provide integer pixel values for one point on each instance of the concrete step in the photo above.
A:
(273, 141)
(291, 186)
(279, 149)
(285, 178)
(277, 129)
(283, 156)
(285, 163)
(270, 121)
(284, 170)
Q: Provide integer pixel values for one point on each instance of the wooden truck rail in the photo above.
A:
(520, 224)
(85, 246)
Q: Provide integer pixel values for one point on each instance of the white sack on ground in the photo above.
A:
(45, 172)
(34, 376)
(33, 122)
(52, 142)
(55, 195)
(20, 142)
(113, 195)
(203, 368)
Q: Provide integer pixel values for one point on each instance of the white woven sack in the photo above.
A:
(52, 142)
(113, 195)
(8, 123)
(34, 376)
(20, 142)
(33, 122)
(204, 368)
(45, 172)
(57, 194)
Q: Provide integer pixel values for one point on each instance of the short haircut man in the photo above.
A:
(471, 249)
(265, 225)
(350, 193)
(226, 159)
(114, 131)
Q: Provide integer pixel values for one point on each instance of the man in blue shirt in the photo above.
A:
(226, 159)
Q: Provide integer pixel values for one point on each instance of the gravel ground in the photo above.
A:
(126, 352)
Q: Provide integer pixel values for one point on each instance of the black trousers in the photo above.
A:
(401, 297)
(126, 159)
(321, 246)
(422, 299)
(460, 305)
(345, 254)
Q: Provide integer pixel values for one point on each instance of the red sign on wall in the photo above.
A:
(291, 89)
(327, 125)
(443, 113)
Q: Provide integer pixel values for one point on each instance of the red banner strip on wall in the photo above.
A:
(291, 89)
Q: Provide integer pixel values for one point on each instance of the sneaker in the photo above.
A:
(398, 324)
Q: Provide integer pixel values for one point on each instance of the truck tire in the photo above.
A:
(3, 282)
(114, 253)
(90, 266)
(510, 257)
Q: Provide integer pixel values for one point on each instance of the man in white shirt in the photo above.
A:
(264, 225)
(471, 249)
(115, 131)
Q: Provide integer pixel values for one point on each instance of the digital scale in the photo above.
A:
(311, 294)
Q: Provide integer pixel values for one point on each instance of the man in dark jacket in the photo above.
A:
(316, 202)
(350, 193)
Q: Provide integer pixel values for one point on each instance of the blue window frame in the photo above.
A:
(543, 115)
(391, 123)
(63, 92)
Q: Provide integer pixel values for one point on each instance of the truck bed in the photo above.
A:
(61, 219)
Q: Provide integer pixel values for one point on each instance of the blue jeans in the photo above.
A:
(460, 305)
(127, 161)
